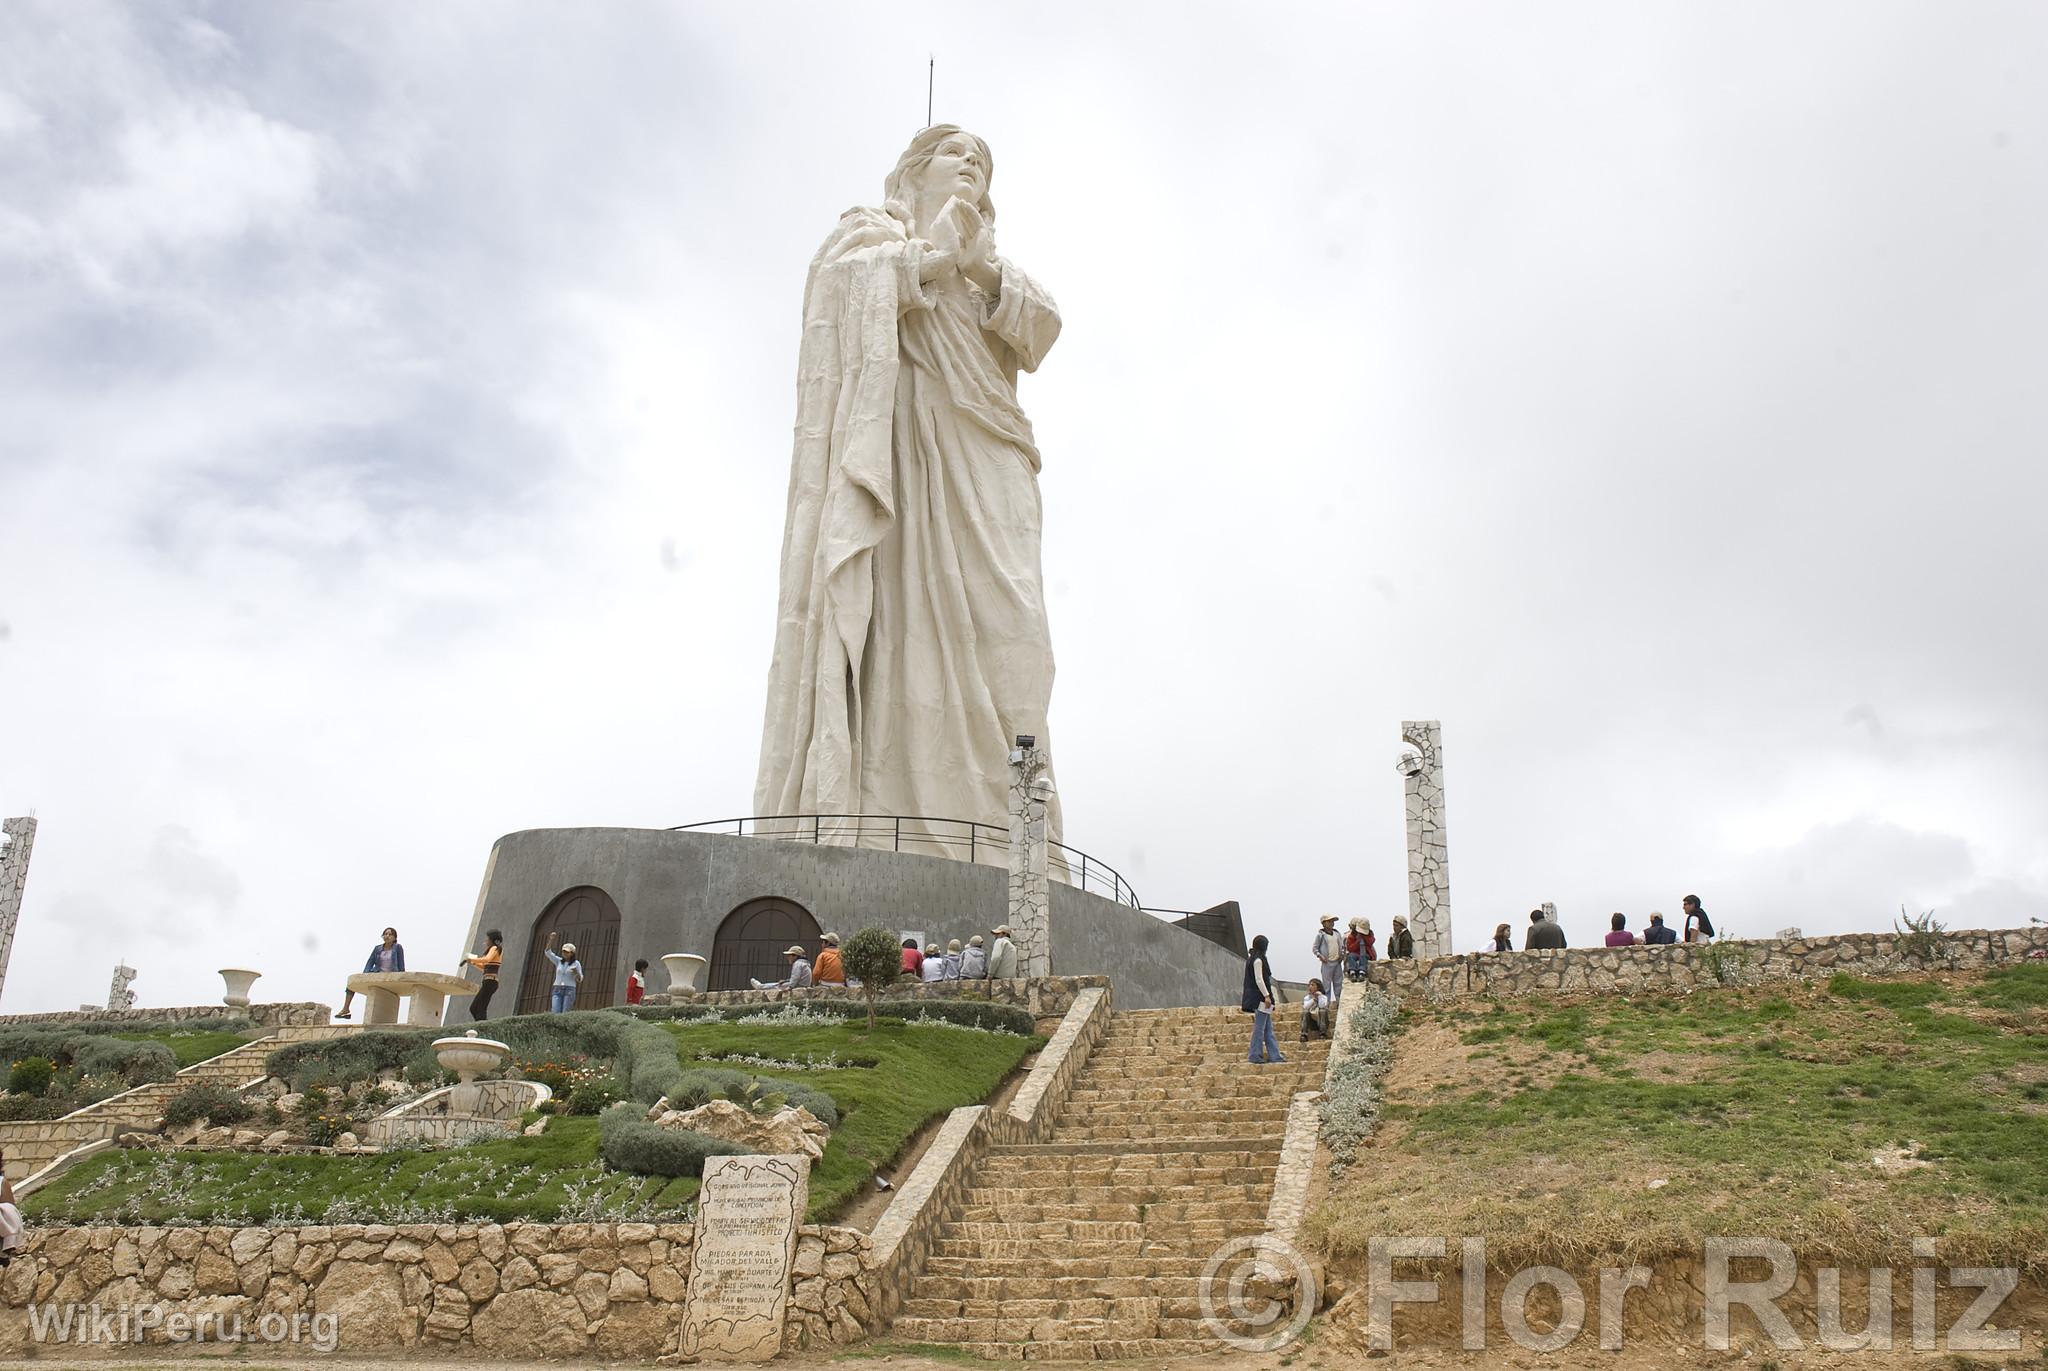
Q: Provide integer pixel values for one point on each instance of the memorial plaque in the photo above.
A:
(748, 1212)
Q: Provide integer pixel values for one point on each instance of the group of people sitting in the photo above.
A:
(1545, 933)
(978, 960)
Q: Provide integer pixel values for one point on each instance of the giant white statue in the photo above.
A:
(911, 647)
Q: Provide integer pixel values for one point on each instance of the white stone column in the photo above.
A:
(21, 840)
(119, 996)
(1030, 906)
(1429, 865)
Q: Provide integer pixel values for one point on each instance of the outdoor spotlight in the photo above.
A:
(1026, 740)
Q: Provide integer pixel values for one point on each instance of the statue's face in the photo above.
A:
(956, 168)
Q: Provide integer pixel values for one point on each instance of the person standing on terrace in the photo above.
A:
(385, 956)
(568, 976)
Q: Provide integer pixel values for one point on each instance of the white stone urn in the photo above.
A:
(238, 983)
(683, 970)
(470, 1056)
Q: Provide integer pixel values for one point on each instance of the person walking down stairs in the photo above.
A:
(1259, 998)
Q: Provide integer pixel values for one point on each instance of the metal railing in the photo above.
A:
(960, 838)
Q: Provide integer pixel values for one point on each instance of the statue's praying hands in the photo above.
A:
(963, 239)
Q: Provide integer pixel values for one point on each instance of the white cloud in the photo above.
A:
(398, 411)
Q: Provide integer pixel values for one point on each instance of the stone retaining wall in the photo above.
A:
(1045, 997)
(516, 1290)
(299, 1014)
(1688, 966)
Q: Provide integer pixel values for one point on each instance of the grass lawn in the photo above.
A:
(889, 1084)
(1561, 1131)
(196, 1045)
(907, 1074)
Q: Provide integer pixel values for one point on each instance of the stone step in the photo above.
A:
(1236, 1167)
(1183, 1111)
(1125, 1349)
(1167, 1240)
(1121, 1328)
(1226, 1060)
(1141, 1069)
(980, 1194)
(1069, 1307)
(1167, 1133)
(1043, 1266)
(1073, 1234)
(1064, 1208)
(1178, 1286)
(1089, 1094)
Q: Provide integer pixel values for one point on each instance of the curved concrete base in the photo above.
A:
(674, 889)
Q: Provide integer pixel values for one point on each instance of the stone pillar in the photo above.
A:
(1030, 907)
(119, 996)
(21, 840)
(1429, 866)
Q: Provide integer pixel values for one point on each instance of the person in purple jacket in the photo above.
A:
(1618, 934)
(385, 956)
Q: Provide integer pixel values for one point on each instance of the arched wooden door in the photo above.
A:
(751, 941)
(586, 917)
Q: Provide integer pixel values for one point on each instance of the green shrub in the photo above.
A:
(31, 1075)
(629, 1142)
(874, 958)
(137, 1062)
(215, 1104)
(594, 1097)
(354, 1057)
(693, 1096)
(94, 1054)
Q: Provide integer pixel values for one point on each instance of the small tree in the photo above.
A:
(875, 956)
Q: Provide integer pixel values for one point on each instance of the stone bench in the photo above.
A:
(428, 990)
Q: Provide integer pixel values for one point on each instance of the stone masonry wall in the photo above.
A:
(516, 1290)
(1687, 966)
(300, 1014)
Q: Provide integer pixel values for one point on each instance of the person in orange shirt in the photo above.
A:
(828, 969)
(488, 961)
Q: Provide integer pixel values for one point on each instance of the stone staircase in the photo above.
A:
(1090, 1246)
(31, 1145)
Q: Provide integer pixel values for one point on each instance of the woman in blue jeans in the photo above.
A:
(568, 976)
(1258, 1002)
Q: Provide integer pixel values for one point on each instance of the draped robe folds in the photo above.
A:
(911, 645)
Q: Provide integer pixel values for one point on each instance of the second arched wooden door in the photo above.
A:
(751, 941)
(587, 917)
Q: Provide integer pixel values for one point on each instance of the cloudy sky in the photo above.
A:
(394, 429)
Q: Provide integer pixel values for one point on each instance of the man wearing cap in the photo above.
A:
(974, 961)
(828, 969)
(799, 972)
(568, 976)
(1328, 950)
(1400, 943)
(1002, 957)
(933, 967)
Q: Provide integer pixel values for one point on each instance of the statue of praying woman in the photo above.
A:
(911, 646)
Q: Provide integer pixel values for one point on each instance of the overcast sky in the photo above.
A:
(395, 406)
